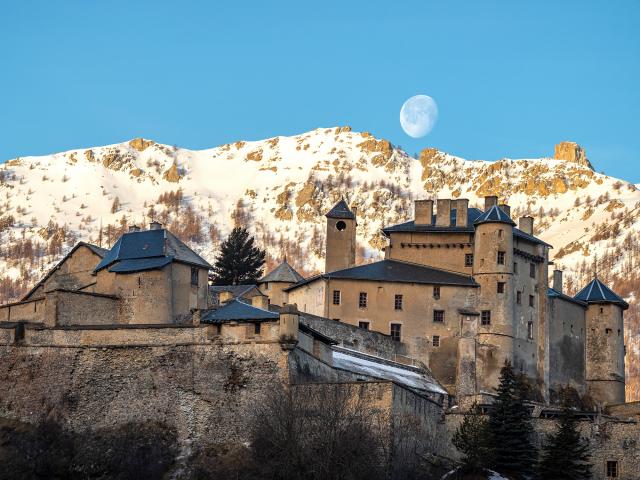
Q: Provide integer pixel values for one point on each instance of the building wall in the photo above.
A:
(605, 353)
(80, 308)
(416, 317)
(439, 250)
(75, 272)
(566, 344)
(186, 296)
(274, 290)
(310, 298)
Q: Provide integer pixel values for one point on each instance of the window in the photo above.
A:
(336, 297)
(530, 330)
(532, 270)
(501, 256)
(601, 310)
(468, 259)
(612, 469)
(500, 287)
(435, 341)
(256, 328)
(607, 331)
(362, 300)
(396, 331)
(194, 276)
(438, 316)
(398, 302)
(436, 293)
(531, 300)
(519, 297)
(515, 267)
(364, 325)
(340, 226)
(485, 317)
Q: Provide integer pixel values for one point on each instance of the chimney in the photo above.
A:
(490, 201)
(443, 215)
(260, 301)
(462, 212)
(505, 208)
(423, 212)
(155, 225)
(557, 281)
(134, 228)
(526, 225)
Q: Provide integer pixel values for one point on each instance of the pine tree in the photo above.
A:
(471, 439)
(510, 429)
(565, 454)
(240, 261)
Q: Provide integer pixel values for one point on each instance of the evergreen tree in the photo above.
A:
(565, 454)
(240, 261)
(510, 429)
(471, 439)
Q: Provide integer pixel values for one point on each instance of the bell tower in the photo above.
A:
(341, 238)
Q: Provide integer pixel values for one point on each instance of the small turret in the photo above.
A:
(604, 343)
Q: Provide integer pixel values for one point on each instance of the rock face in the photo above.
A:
(572, 152)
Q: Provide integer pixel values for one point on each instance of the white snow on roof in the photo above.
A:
(403, 376)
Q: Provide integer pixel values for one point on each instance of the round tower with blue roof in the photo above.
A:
(604, 348)
(492, 269)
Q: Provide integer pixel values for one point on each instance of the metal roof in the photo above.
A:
(395, 271)
(494, 215)
(598, 292)
(341, 210)
(149, 244)
(282, 273)
(237, 311)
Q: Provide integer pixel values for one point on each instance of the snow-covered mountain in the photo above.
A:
(281, 187)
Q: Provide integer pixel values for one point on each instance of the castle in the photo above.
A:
(136, 332)
(466, 289)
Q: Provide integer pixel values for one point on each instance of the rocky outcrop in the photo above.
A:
(172, 174)
(140, 144)
(572, 152)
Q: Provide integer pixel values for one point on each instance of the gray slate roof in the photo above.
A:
(395, 271)
(282, 273)
(238, 311)
(148, 250)
(341, 210)
(598, 292)
(473, 214)
(494, 215)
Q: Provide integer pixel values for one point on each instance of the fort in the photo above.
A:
(136, 333)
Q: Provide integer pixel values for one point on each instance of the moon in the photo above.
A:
(418, 115)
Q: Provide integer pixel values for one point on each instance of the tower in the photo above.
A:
(341, 238)
(493, 270)
(604, 347)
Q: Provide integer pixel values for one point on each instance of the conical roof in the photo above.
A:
(494, 215)
(341, 210)
(282, 273)
(598, 292)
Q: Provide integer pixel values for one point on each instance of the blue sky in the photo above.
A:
(511, 78)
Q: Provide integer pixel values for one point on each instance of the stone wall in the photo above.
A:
(205, 391)
(80, 308)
